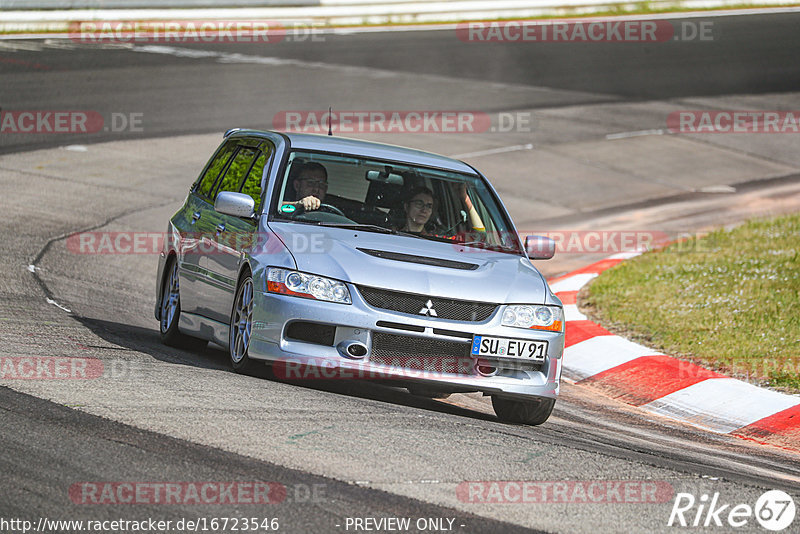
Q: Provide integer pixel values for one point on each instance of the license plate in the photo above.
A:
(502, 347)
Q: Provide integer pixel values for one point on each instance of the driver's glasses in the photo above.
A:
(316, 184)
(420, 204)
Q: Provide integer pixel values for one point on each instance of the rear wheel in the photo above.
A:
(242, 327)
(171, 311)
(524, 412)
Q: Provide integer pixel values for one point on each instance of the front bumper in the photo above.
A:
(416, 356)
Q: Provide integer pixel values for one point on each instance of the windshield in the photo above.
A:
(389, 197)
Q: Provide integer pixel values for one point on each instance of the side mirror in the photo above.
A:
(236, 204)
(540, 247)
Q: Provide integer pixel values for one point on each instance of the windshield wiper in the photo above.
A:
(366, 228)
(484, 244)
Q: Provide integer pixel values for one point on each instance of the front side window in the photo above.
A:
(392, 197)
(252, 185)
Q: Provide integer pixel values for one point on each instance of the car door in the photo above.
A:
(191, 225)
(232, 236)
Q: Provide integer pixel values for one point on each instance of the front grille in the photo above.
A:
(456, 310)
(421, 354)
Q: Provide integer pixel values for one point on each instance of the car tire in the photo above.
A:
(241, 327)
(170, 311)
(523, 412)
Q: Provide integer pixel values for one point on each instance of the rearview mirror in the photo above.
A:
(236, 204)
(386, 177)
(540, 247)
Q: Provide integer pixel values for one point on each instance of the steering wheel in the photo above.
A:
(327, 208)
(331, 209)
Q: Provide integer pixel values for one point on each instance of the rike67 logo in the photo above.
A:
(774, 510)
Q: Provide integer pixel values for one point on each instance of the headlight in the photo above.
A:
(537, 317)
(309, 286)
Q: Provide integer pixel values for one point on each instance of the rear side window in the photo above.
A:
(214, 169)
(237, 170)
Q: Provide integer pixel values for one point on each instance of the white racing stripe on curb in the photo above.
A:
(624, 255)
(721, 404)
(601, 353)
(571, 313)
(573, 283)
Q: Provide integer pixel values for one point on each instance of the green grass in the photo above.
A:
(729, 301)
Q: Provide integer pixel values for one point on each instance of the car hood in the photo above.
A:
(339, 253)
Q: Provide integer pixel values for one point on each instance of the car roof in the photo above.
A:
(345, 145)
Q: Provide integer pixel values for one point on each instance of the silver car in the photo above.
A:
(330, 258)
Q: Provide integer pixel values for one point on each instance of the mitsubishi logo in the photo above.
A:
(428, 309)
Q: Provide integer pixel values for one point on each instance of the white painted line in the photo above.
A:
(601, 353)
(717, 189)
(226, 57)
(57, 305)
(721, 404)
(639, 133)
(492, 151)
(27, 47)
(571, 313)
(573, 283)
(462, 9)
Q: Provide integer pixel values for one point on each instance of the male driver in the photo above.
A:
(311, 185)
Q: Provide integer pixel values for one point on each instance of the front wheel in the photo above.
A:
(523, 412)
(242, 327)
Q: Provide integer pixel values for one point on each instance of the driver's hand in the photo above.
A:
(310, 203)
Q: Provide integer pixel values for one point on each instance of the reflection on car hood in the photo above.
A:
(334, 252)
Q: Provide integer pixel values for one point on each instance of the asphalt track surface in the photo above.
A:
(179, 416)
(747, 55)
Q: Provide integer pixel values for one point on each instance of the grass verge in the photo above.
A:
(729, 301)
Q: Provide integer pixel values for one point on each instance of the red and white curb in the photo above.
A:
(663, 385)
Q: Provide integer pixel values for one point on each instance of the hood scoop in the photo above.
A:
(423, 260)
